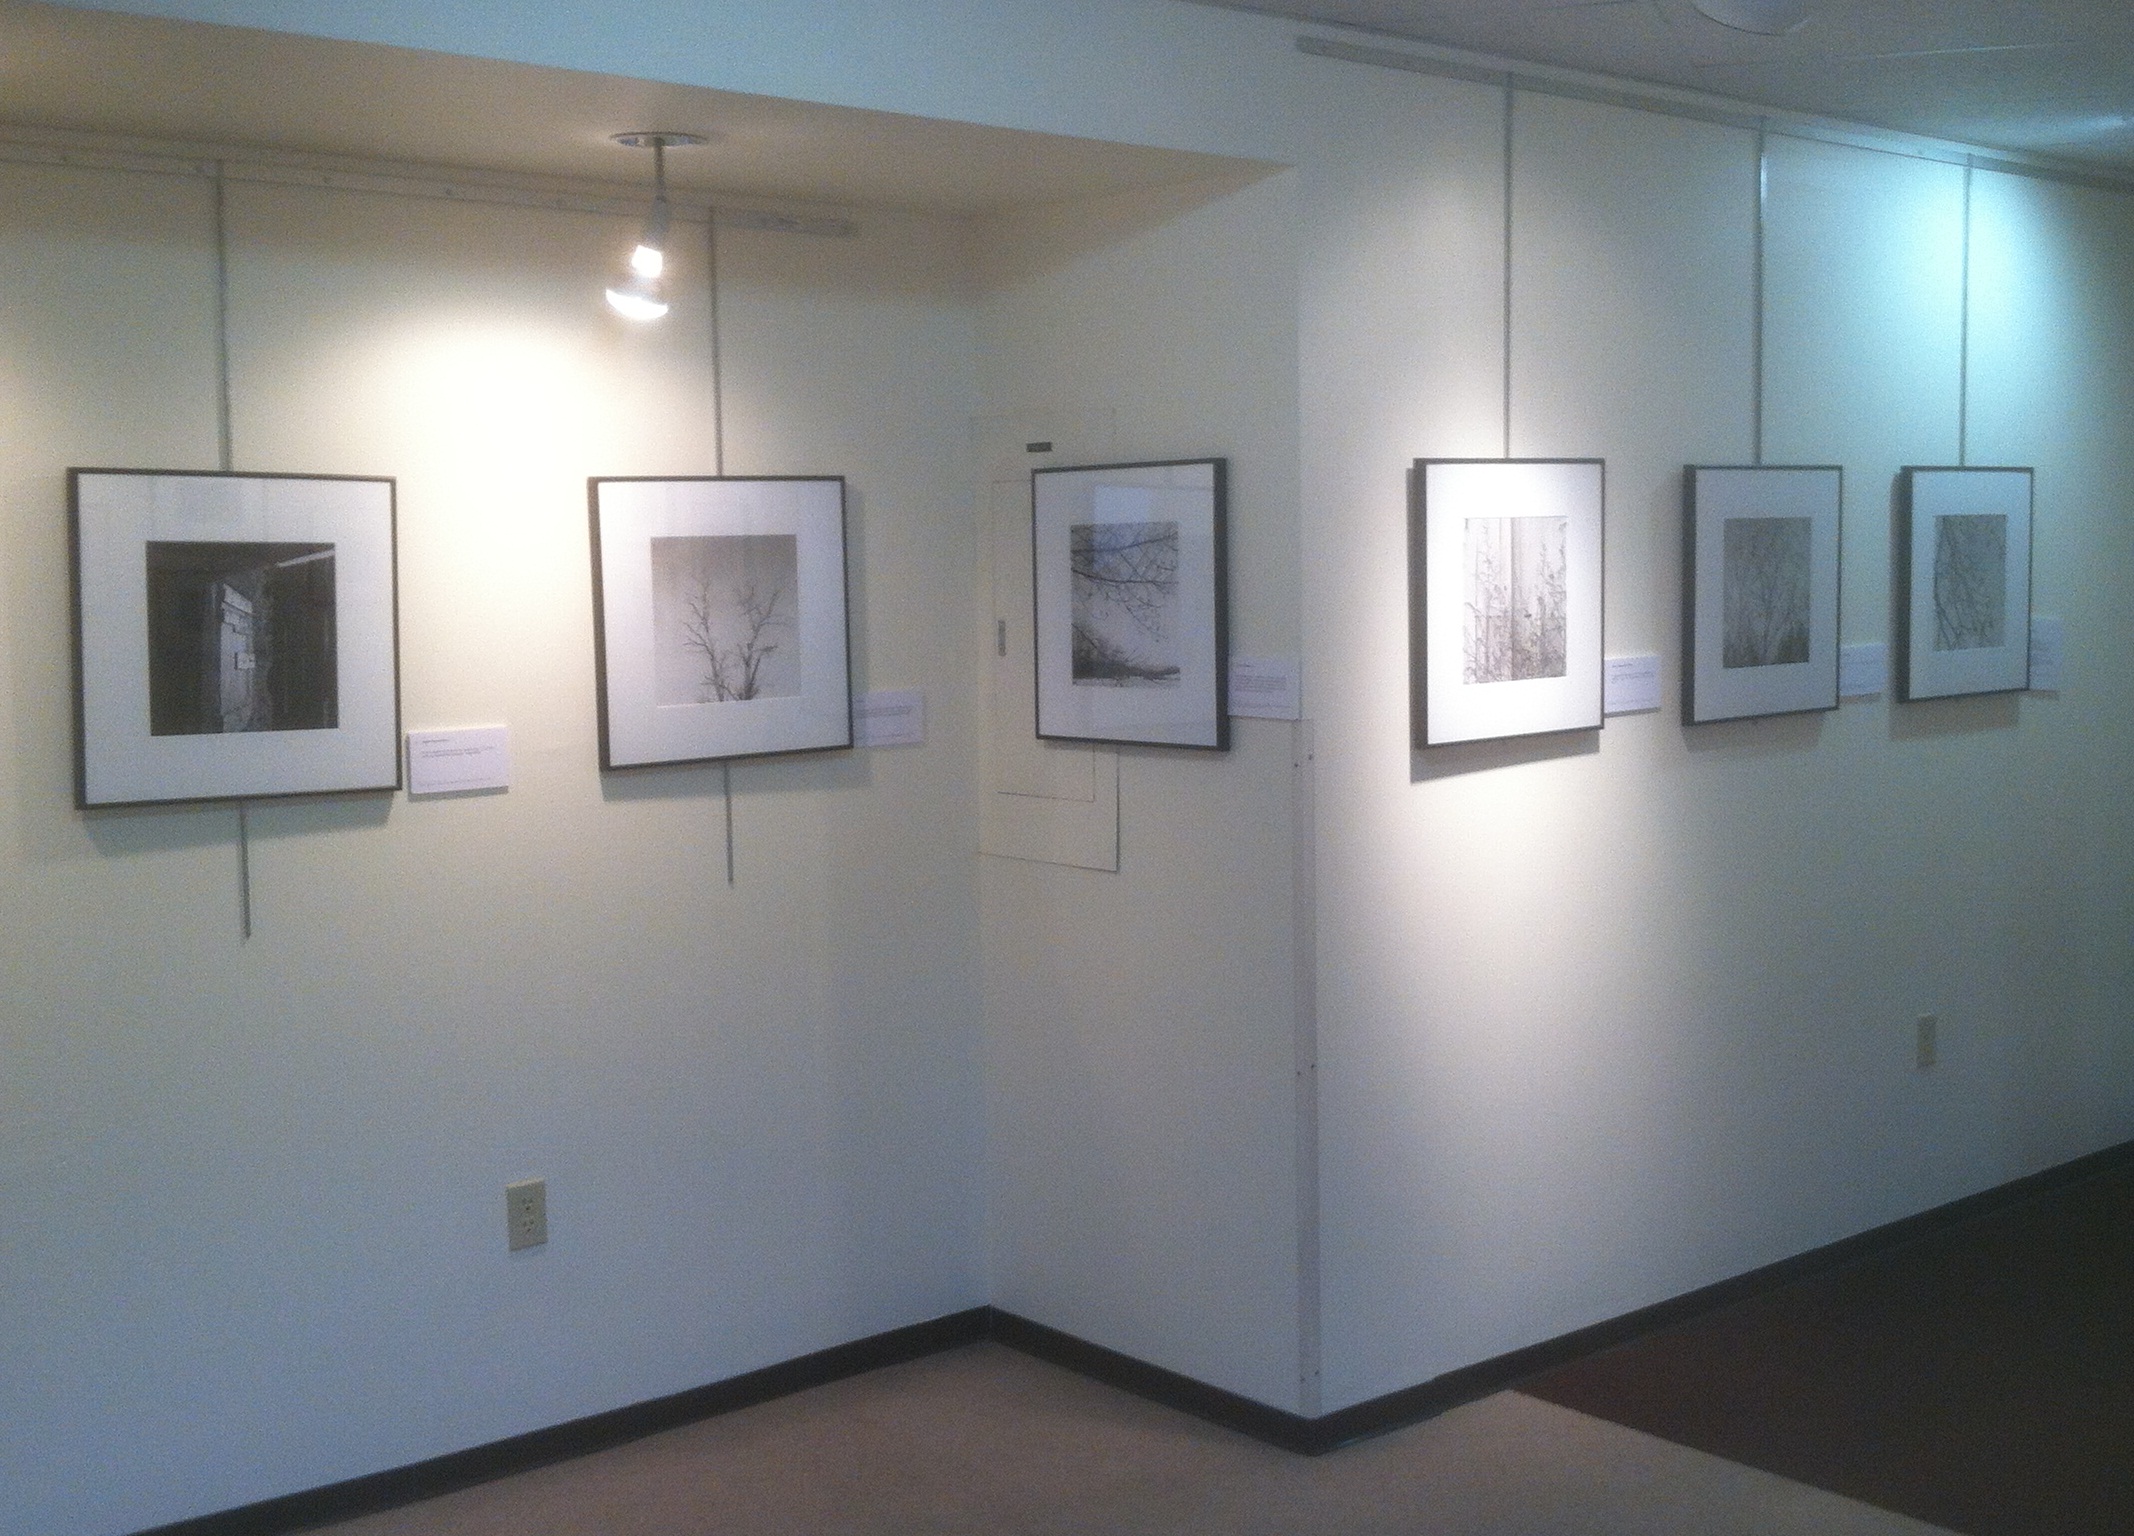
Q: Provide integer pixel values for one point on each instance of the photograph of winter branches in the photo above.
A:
(1124, 604)
(1970, 581)
(1764, 596)
(1517, 599)
(724, 608)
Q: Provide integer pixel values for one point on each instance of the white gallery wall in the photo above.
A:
(1595, 1020)
(1605, 1019)
(254, 1220)
(1141, 1025)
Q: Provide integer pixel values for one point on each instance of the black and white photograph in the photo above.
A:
(1970, 581)
(1131, 612)
(719, 617)
(723, 608)
(236, 634)
(1125, 616)
(1963, 548)
(1518, 613)
(1760, 589)
(1505, 597)
(240, 638)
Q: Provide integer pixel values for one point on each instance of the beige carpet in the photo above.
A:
(989, 1442)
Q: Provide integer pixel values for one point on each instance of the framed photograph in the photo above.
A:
(719, 617)
(1132, 613)
(1504, 565)
(236, 636)
(1963, 582)
(1760, 590)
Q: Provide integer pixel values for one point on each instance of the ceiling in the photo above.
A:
(2046, 77)
(121, 77)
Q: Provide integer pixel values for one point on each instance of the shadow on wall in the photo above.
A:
(1428, 763)
(1764, 736)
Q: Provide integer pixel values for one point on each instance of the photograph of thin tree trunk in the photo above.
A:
(719, 617)
(1504, 597)
(1760, 589)
(1963, 548)
(1518, 602)
(237, 635)
(1130, 611)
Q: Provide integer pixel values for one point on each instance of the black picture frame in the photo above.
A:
(721, 622)
(1130, 602)
(1962, 541)
(1762, 569)
(236, 635)
(1492, 665)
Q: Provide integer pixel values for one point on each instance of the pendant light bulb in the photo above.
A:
(641, 295)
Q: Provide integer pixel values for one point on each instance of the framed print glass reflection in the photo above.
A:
(236, 635)
(1963, 581)
(1760, 590)
(1504, 562)
(719, 617)
(1131, 612)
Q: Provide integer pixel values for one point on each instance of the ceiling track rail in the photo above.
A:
(20, 146)
(1636, 98)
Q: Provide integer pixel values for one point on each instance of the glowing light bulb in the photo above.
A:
(637, 299)
(648, 261)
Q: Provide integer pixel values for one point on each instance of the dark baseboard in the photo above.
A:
(561, 1442)
(1290, 1432)
(1248, 1416)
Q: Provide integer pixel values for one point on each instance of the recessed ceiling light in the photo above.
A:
(1770, 17)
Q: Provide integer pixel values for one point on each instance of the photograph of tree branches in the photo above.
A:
(1970, 581)
(1129, 615)
(719, 617)
(1760, 587)
(723, 609)
(1125, 596)
(1963, 577)
(1765, 595)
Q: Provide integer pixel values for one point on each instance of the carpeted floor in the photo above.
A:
(983, 1441)
(1981, 1378)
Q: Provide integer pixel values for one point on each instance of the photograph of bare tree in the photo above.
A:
(1129, 613)
(1970, 581)
(723, 610)
(1125, 604)
(1963, 579)
(719, 617)
(1517, 598)
(1504, 598)
(1766, 593)
(1760, 590)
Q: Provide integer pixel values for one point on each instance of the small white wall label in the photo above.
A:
(1863, 670)
(1631, 684)
(2048, 648)
(1265, 687)
(450, 762)
(889, 719)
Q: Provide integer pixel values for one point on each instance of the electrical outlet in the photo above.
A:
(1925, 1045)
(526, 1213)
